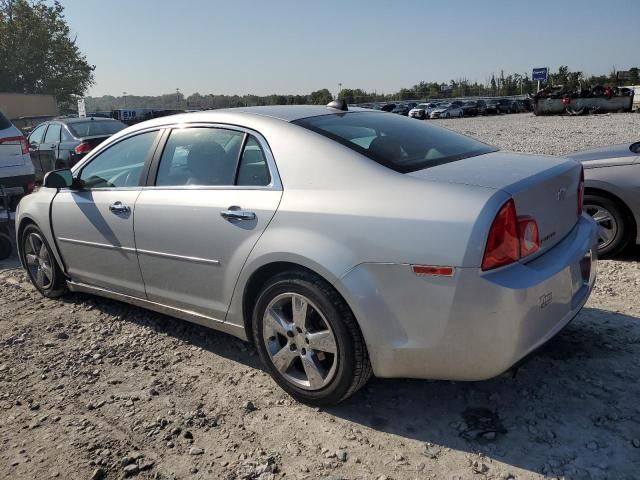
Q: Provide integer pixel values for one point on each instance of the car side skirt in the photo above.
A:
(193, 317)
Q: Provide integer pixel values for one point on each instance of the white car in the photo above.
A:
(423, 110)
(446, 111)
(17, 176)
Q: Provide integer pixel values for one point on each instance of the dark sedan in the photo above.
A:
(470, 108)
(62, 142)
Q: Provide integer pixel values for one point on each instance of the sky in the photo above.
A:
(150, 47)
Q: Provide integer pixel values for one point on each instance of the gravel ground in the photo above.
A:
(91, 388)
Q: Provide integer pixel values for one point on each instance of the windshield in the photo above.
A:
(396, 142)
(92, 128)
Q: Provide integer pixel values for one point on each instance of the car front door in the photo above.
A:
(93, 224)
(35, 139)
(212, 193)
(49, 147)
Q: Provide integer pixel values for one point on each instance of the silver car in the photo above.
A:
(447, 110)
(612, 194)
(342, 242)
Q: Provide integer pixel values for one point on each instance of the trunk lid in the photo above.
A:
(10, 147)
(543, 187)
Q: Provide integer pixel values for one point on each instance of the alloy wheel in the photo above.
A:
(607, 223)
(300, 342)
(38, 261)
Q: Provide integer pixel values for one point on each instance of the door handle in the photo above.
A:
(119, 208)
(236, 213)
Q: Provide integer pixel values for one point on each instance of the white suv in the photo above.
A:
(17, 176)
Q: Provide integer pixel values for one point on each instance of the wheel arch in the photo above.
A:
(261, 275)
(597, 191)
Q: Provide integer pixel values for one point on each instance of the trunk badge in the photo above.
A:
(562, 194)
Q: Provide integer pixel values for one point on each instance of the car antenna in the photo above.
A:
(338, 105)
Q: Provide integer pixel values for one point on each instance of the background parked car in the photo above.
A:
(447, 110)
(491, 107)
(16, 171)
(388, 107)
(504, 105)
(62, 142)
(401, 109)
(420, 110)
(612, 183)
(470, 108)
(481, 106)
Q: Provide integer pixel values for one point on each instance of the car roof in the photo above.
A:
(290, 113)
(69, 120)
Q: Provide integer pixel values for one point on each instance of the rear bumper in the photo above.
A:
(474, 325)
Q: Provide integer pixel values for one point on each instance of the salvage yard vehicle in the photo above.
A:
(447, 110)
(422, 111)
(16, 172)
(341, 242)
(612, 183)
(62, 142)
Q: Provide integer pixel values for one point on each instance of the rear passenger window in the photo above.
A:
(200, 156)
(253, 169)
(53, 134)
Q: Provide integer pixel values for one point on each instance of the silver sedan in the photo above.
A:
(612, 194)
(341, 242)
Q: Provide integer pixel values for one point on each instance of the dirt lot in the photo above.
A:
(91, 388)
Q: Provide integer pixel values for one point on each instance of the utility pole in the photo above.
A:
(177, 98)
(339, 90)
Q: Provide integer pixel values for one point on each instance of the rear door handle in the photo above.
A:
(119, 208)
(236, 213)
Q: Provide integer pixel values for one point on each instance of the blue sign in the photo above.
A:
(540, 73)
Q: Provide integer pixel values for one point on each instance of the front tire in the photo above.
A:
(615, 231)
(309, 340)
(42, 268)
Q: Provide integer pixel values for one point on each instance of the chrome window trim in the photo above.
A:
(94, 153)
(275, 184)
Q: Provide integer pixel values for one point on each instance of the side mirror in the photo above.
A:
(59, 179)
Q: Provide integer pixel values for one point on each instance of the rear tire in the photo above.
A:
(308, 370)
(615, 231)
(42, 267)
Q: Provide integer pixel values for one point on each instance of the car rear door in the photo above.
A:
(93, 225)
(212, 192)
(34, 140)
(48, 149)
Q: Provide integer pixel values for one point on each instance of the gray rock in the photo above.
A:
(342, 455)
(98, 474)
(131, 470)
(196, 451)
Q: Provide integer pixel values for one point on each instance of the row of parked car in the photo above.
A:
(456, 108)
(55, 144)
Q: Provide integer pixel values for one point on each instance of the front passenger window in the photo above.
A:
(120, 165)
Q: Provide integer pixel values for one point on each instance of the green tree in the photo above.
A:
(37, 53)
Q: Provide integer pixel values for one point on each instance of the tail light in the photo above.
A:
(16, 141)
(29, 187)
(580, 191)
(84, 147)
(510, 238)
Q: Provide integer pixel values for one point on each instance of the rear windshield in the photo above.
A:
(396, 142)
(92, 128)
(4, 123)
